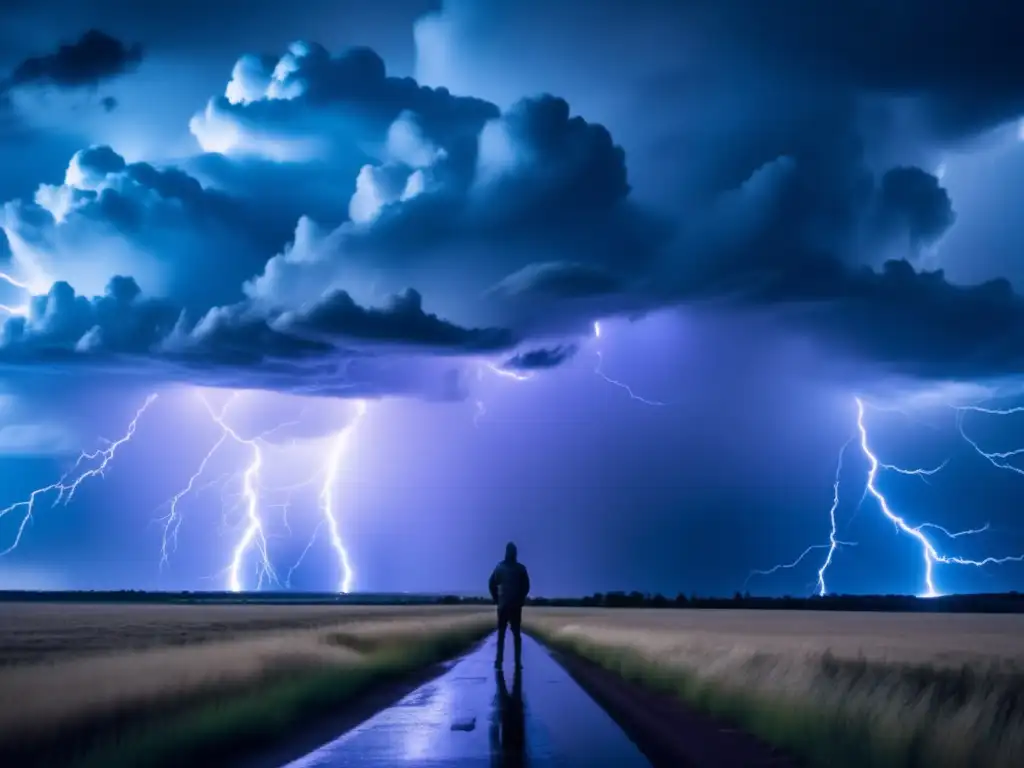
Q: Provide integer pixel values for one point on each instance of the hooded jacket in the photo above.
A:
(510, 582)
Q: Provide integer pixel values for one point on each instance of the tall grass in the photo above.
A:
(845, 709)
(199, 704)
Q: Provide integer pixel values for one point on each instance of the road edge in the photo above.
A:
(356, 711)
(669, 733)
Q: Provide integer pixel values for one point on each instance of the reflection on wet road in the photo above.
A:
(474, 715)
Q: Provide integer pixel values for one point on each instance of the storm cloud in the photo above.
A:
(316, 351)
(86, 62)
(520, 221)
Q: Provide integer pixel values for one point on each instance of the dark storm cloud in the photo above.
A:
(915, 323)
(785, 249)
(90, 60)
(560, 280)
(794, 136)
(401, 321)
(959, 69)
(333, 345)
(442, 180)
(541, 359)
(962, 64)
(800, 176)
(226, 28)
(912, 201)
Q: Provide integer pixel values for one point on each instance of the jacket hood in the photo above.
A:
(510, 552)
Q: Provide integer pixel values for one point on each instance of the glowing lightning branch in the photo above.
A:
(302, 555)
(67, 486)
(327, 502)
(20, 309)
(14, 281)
(172, 521)
(509, 374)
(834, 542)
(599, 372)
(930, 554)
(479, 409)
(998, 459)
(254, 534)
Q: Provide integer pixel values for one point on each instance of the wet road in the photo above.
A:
(475, 716)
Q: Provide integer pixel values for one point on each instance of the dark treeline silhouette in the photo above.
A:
(1008, 602)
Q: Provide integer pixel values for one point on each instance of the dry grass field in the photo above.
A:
(128, 685)
(37, 632)
(837, 689)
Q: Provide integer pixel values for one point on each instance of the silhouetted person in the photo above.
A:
(508, 723)
(509, 585)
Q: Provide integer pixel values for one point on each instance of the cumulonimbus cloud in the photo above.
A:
(520, 222)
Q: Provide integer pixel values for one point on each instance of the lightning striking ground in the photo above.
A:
(254, 533)
(254, 537)
(929, 553)
(327, 502)
(833, 542)
(66, 487)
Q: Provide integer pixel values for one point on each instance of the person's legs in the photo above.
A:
(516, 620)
(502, 626)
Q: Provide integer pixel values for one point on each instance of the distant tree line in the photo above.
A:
(1008, 602)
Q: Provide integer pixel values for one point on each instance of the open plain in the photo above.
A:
(104, 684)
(834, 688)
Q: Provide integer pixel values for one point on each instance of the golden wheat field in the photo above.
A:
(66, 666)
(840, 688)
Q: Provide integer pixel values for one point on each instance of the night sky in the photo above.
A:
(608, 279)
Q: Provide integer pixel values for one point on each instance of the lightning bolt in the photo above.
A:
(302, 555)
(20, 309)
(621, 385)
(479, 409)
(998, 459)
(66, 487)
(327, 501)
(254, 534)
(833, 542)
(254, 537)
(509, 374)
(929, 553)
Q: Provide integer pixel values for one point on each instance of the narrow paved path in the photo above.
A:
(475, 716)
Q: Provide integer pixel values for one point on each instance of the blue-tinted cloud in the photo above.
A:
(159, 225)
(331, 345)
(541, 358)
(521, 219)
(87, 62)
